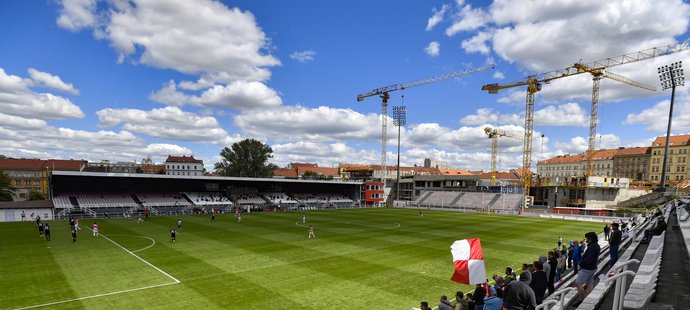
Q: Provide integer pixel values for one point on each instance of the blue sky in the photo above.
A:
(124, 80)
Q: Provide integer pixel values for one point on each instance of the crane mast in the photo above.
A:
(493, 134)
(383, 93)
(534, 82)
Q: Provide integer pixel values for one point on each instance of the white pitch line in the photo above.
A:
(367, 227)
(96, 296)
(141, 259)
(153, 242)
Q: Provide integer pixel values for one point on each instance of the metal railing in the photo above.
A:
(621, 281)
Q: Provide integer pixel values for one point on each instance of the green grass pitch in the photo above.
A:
(361, 258)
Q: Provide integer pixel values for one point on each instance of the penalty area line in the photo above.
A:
(96, 296)
(141, 259)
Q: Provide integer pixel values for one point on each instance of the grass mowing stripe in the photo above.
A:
(95, 296)
(141, 259)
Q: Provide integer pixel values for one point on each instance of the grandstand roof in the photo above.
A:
(633, 151)
(678, 140)
(186, 177)
(183, 159)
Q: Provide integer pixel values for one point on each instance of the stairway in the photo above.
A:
(452, 203)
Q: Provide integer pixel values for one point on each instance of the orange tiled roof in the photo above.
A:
(39, 164)
(603, 154)
(455, 172)
(633, 151)
(152, 168)
(320, 170)
(287, 173)
(675, 141)
(564, 159)
(298, 165)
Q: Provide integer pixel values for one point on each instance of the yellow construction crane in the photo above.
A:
(493, 134)
(383, 93)
(534, 83)
(597, 75)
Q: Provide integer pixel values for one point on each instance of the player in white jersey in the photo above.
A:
(304, 217)
(311, 232)
(94, 227)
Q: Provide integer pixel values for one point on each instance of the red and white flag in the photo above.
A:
(469, 261)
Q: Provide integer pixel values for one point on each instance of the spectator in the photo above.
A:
(656, 230)
(445, 304)
(470, 301)
(510, 274)
(576, 257)
(424, 306)
(494, 302)
(606, 232)
(547, 268)
(614, 243)
(461, 303)
(588, 265)
(570, 254)
(518, 295)
(539, 282)
(479, 294)
(560, 270)
(553, 265)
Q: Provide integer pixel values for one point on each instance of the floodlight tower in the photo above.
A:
(399, 119)
(670, 76)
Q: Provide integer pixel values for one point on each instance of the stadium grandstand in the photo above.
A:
(93, 194)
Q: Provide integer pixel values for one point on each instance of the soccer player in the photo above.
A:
(304, 217)
(74, 235)
(139, 220)
(40, 229)
(172, 235)
(46, 231)
(23, 216)
(421, 213)
(213, 217)
(94, 227)
(239, 217)
(311, 232)
(76, 224)
(71, 222)
(179, 224)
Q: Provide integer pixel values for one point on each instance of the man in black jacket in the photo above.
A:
(614, 243)
(539, 282)
(588, 266)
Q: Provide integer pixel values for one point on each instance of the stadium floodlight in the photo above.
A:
(399, 119)
(670, 77)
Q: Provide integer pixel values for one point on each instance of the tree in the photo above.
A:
(6, 188)
(34, 195)
(247, 158)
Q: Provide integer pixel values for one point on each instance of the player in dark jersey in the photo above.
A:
(40, 229)
(46, 231)
(213, 217)
(173, 233)
(74, 235)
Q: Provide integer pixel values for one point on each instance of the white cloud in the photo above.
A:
(499, 75)
(579, 144)
(223, 46)
(314, 124)
(16, 98)
(655, 119)
(594, 30)
(437, 17)
(52, 81)
(433, 49)
(169, 123)
(77, 14)
(477, 44)
(466, 19)
(303, 56)
(568, 114)
(238, 95)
